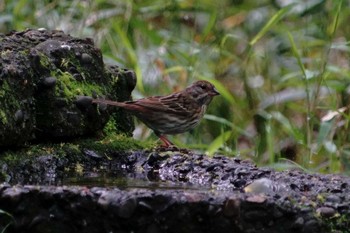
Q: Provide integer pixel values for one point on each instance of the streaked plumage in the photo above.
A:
(172, 114)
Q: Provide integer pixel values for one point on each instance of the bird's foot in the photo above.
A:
(169, 146)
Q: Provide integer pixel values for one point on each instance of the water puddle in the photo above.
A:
(128, 182)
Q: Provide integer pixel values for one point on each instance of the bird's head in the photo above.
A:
(202, 91)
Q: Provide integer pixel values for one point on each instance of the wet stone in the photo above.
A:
(92, 154)
(333, 198)
(83, 101)
(180, 193)
(255, 215)
(232, 207)
(326, 212)
(86, 58)
(258, 199)
(311, 226)
(213, 166)
(73, 70)
(126, 208)
(131, 81)
(60, 102)
(299, 222)
(19, 116)
(238, 183)
(49, 82)
(78, 77)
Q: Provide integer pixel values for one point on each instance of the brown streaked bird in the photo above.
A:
(171, 114)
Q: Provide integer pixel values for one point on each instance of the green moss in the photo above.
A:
(113, 142)
(9, 101)
(70, 88)
(44, 61)
(116, 142)
(3, 118)
(119, 140)
(110, 127)
(114, 80)
(2, 92)
(338, 223)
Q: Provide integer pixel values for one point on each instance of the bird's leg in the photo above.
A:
(168, 145)
(166, 142)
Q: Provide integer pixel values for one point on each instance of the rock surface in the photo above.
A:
(42, 74)
(184, 192)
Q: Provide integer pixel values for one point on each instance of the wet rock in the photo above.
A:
(49, 82)
(312, 226)
(126, 208)
(232, 207)
(258, 199)
(92, 154)
(181, 195)
(326, 212)
(86, 58)
(19, 116)
(42, 78)
(83, 102)
(265, 185)
(299, 223)
(333, 198)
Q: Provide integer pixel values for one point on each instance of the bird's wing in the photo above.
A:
(172, 104)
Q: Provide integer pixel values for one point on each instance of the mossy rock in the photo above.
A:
(42, 74)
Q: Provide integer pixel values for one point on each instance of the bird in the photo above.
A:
(170, 114)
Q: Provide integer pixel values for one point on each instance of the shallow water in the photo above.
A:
(125, 183)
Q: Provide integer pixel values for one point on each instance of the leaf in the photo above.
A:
(284, 121)
(210, 25)
(333, 26)
(227, 123)
(218, 142)
(296, 53)
(274, 19)
(131, 53)
(325, 129)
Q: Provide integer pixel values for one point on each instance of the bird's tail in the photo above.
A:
(108, 102)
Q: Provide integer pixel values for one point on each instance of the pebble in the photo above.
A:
(83, 101)
(86, 58)
(326, 212)
(49, 82)
(19, 116)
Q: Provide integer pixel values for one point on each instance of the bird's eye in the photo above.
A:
(203, 87)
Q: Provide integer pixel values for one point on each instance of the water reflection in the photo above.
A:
(125, 182)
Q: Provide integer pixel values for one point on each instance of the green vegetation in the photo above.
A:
(72, 88)
(112, 142)
(72, 150)
(282, 70)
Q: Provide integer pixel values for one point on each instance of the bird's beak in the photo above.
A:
(214, 92)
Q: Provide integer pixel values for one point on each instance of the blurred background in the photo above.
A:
(281, 66)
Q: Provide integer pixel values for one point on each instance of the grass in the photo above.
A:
(282, 71)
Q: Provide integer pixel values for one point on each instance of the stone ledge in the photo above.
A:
(187, 192)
